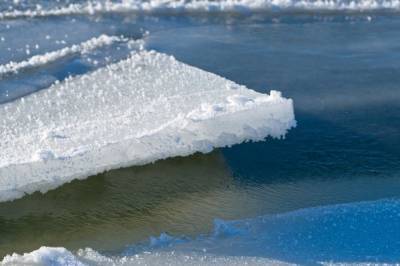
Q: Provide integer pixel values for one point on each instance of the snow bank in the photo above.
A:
(134, 112)
(181, 6)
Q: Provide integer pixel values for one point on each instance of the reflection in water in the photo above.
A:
(180, 196)
(115, 208)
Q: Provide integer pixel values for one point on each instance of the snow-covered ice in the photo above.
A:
(42, 59)
(43, 256)
(134, 112)
(49, 256)
(184, 6)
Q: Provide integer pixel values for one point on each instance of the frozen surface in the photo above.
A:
(43, 256)
(330, 235)
(143, 109)
(61, 256)
(178, 6)
(42, 59)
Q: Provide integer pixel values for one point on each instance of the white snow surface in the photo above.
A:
(182, 6)
(137, 111)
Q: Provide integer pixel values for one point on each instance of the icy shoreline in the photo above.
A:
(137, 111)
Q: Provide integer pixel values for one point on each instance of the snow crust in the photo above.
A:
(180, 6)
(134, 112)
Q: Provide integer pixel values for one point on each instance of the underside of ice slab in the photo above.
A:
(134, 112)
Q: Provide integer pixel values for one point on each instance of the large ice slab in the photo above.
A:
(134, 112)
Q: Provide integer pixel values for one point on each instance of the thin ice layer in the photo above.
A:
(143, 109)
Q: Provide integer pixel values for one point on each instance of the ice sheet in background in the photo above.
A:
(182, 6)
(143, 109)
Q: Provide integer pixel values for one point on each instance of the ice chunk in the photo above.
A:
(139, 110)
(43, 256)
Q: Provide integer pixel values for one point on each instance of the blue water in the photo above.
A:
(341, 69)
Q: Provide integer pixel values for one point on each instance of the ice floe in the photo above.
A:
(134, 112)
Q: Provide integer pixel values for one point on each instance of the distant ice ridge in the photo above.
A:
(361, 233)
(181, 6)
(39, 60)
(134, 112)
